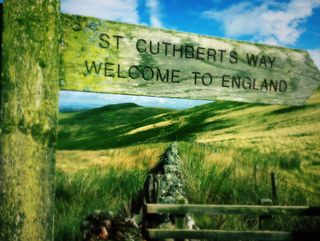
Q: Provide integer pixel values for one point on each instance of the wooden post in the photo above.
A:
(180, 219)
(274, 188)
(254, 176)
(155, 188)
(159, 183)
(234, 180)
(148, 189)
(28, 118)
(1, 29)
(265, 220)
(180, 223)
(150, 192)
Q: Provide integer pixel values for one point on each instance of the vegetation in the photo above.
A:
(93, 189)
(106, 153)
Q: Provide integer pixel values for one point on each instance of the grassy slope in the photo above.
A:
(269, 132)
(218, 143)
(264, 127)
(107, 127)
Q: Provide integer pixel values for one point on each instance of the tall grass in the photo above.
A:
(214, 182)
(212, 176)
(79, 194)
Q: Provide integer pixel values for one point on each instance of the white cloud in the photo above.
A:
(315, 55)
(154, 11)
(269, 22)
(117, 10)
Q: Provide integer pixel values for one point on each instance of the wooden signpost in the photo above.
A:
(111, 57)
(28, 118)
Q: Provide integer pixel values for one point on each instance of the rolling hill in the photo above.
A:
(238, 125)
(104, 155)
(108, 127)
(271, 134)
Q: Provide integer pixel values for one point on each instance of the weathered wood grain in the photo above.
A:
(219, 234)
(179, 209)
(82, 41)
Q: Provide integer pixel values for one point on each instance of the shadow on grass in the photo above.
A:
(129, 124)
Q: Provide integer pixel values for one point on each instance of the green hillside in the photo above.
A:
(129, 124)
(271, 135)
(106, 127)
(104, 156)
(265, 128)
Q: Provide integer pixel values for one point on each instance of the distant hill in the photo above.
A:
(107, 126)
(226, 123)
(273, 135)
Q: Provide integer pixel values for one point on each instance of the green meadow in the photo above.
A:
(228, 151)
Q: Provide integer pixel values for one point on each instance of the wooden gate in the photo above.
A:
(180, 232)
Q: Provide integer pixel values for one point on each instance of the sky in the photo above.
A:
(288, 23)
(74, 100)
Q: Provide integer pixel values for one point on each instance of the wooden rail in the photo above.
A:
(231, 235)
(177, 209)
(219, 234)
(257, 210)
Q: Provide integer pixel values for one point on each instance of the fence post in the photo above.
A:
(265, 221)
(158, 182)
(180, 220)
(152, 195)
(149, 189)
(234, 180)
(254, 174)
(155, 188)
(274, 188)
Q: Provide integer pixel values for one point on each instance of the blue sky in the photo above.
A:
(290, 23)
(73, 100)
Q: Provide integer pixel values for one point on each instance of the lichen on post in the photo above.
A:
(28, 118)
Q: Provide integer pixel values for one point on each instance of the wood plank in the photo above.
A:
(219, 235)
(111, 57)
(233, 209)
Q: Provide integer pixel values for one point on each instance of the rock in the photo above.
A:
(171, 188)
(103, 225)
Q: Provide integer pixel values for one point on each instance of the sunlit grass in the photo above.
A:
(135, 157)
(212, 176)
(79, 194)
(105, 155)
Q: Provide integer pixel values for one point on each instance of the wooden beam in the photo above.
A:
(110, 57)
(219, 235)
(29, 89)
(233, 209)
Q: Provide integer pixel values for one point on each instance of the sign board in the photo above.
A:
(112, 57)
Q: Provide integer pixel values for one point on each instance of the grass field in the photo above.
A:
(105, 153)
